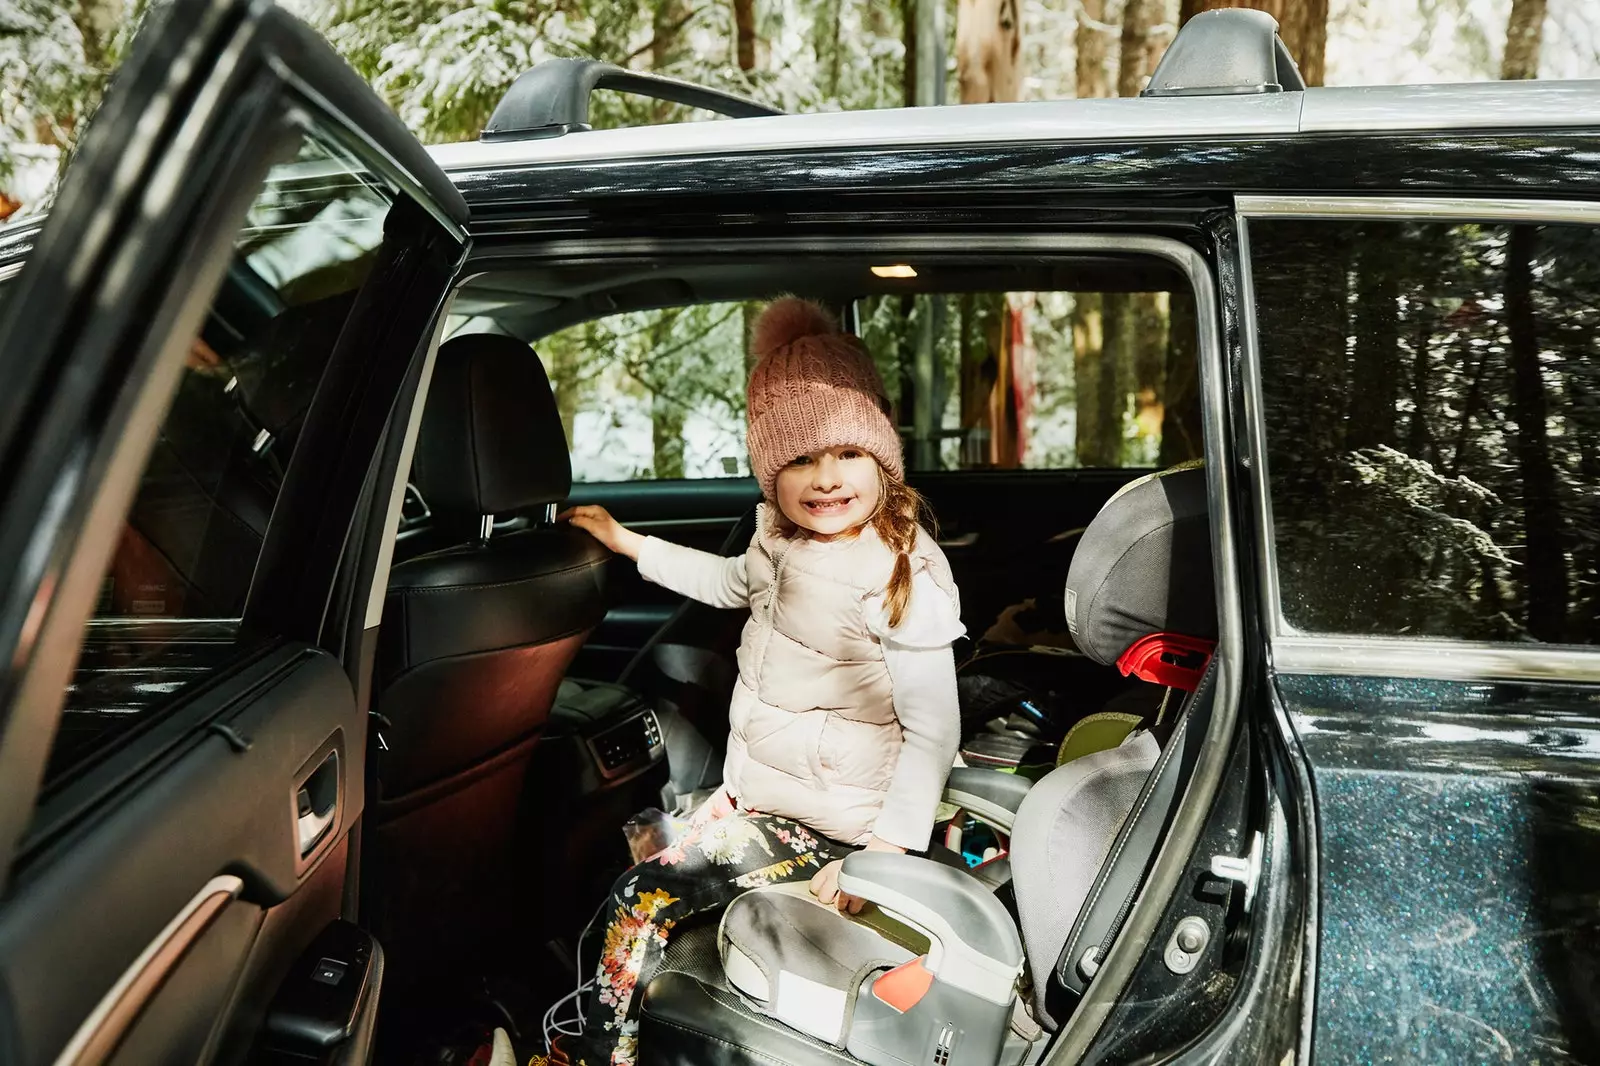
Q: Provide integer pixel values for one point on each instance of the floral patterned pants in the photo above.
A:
(706, 869)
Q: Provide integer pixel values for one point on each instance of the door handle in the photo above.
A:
(964, 540)
(316, 804)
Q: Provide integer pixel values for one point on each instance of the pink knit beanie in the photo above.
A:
(814, 387)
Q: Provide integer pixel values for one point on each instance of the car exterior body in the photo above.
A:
(1418, 804)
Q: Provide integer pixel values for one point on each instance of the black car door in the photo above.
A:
(202, 354)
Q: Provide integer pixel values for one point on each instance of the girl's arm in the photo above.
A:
(922, 670)
(711, 579)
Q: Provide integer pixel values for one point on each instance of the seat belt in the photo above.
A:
(1119, 879)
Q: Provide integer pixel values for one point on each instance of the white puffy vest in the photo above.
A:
(813, 733)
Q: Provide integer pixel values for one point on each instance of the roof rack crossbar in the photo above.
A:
(552, 99)
(1226, 52)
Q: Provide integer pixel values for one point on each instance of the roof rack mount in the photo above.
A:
(552, 99)
(1226, 52)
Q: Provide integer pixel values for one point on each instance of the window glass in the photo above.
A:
(1026, 380)
(1432, 405)
(178, 581)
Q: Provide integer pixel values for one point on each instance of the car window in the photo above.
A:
(1027, 380)
(1432, 402)
(170, 602)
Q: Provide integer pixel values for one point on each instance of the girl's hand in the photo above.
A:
(598, 523)
(825, 883)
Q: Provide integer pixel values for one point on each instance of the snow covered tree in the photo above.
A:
(55, 60)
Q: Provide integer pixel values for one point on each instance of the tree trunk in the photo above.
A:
(1583, 412)
(1544, 549)
(989, 51)
(666, 48)
(1181, 431)
(1141, 46)
(928, 28)
(1303, 25)
(1094, 50)
(1375, 362)
(744, 21)
(1088, 364)
(835, 28)
(1420, 442)
(908, 34)
(1141, 360)
(664, 45)
(1098, 444)
(1524, 29)
(666, 437)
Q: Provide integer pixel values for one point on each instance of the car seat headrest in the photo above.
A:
(1139, 590)
(491, 440)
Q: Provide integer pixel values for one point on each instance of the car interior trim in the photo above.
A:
(397, 496)
(1299, 652)
(97, 1038)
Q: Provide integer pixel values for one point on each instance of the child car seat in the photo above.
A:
(786, 979)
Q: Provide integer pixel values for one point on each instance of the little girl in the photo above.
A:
(844, 721)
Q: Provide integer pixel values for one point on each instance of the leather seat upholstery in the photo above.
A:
(475, 637)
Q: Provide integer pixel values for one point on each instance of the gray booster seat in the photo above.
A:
(934, 970)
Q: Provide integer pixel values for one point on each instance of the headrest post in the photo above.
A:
(485, 528)
(549, 516)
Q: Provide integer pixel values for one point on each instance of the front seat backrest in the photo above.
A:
(476, 637)
(474, 643)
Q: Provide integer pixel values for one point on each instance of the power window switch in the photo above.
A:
(328, 972)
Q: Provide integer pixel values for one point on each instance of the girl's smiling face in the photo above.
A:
(830, 492)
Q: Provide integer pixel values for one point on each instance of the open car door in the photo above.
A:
(203, 358)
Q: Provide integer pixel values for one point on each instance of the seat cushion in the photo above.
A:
(799, 961)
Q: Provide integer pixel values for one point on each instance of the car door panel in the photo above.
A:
(1493, 782)
(159, 891)
(131, 854)
(699, 514)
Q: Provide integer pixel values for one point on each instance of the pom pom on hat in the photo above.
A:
(814, 388)
(787, 320)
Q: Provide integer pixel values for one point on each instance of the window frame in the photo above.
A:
(932, 252)
(1297, 651)
(1200, 270)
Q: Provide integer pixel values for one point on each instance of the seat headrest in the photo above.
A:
(491, 440)
(1139, 590)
